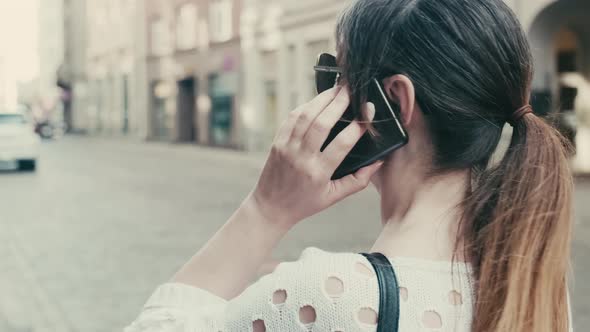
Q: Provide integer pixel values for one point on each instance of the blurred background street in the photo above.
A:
(131, 129)
(225, 73)
(86, 240)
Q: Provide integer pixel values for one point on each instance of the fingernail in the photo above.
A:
(370, 109)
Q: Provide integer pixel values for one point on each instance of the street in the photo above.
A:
(87, 238)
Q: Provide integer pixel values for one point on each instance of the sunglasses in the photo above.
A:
(327, 72)
(327, 75)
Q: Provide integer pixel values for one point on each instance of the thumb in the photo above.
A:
(356, 182)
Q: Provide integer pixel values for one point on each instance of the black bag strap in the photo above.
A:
(388, 320)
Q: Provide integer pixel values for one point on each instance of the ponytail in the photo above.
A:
(517, 228)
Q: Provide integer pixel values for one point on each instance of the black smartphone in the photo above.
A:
(388, 134)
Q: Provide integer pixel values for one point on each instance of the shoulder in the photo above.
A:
(331, 291)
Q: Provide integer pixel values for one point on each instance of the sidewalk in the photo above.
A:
(107, 210)
(190, 149)
(580, 164)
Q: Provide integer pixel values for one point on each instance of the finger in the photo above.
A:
(286, 129)
(341, 146)
(320, 128)
(312, 110)
(354, 183)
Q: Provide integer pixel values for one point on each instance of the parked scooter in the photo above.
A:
(50, 130)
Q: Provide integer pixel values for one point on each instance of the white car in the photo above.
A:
(19, 145)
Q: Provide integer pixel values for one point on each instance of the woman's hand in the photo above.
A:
(294, 185)
(296, 180)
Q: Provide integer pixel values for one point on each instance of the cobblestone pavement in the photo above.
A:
(88, 237)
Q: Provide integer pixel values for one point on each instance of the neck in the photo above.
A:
(421, 214)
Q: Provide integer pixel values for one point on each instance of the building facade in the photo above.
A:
(282, 40)
(194, 71)
(226, 72)
(51, 53)
(280, 57)
(114, 81)
(262, 41)
(71, 75)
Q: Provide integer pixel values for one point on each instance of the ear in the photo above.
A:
(400, 89)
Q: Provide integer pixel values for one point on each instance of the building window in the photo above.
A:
(220, 20)
(98, 28)
(270, 90)
(160, 37)
(186, 27)
(203, 35)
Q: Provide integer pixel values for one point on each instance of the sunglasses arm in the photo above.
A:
(327, 69)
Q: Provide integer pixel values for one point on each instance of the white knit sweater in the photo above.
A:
(340, 288)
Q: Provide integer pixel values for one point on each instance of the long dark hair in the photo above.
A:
(471, 66)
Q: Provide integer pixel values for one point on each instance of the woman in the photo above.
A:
(477, 247)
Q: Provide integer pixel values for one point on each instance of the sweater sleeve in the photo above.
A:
(323, 291)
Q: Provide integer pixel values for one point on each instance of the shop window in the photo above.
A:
(221, 91)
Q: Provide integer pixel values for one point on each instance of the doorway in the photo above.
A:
(566, 45)
(185, 119)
